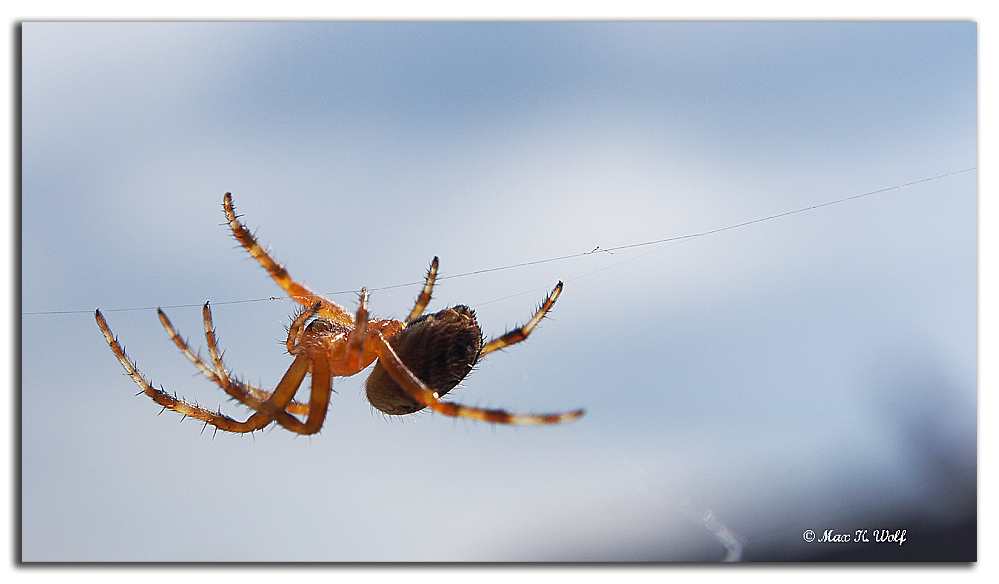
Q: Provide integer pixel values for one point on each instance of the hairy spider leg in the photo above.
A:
(355, 341)
(299, 292)
(421, 393)
(319, 400)
(318, 365)
(282, 395)
(314, 350)
(358, 355)
(519, 334)
(206, 370)
(428, 287)
(228, 385)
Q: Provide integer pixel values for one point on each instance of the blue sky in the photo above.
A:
(813, 371)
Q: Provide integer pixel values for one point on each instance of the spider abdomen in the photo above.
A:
(440, 349)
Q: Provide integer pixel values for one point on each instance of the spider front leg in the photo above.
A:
(319, 400)
(312, 350)
(412, 385)
(221, 375)
(281, 397)
(306, 351)
(298, 292)
(255, 393)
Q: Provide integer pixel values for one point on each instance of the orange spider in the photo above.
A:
(418, 360)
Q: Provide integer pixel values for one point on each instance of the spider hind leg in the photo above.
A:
(440, 349)
(519, 334)
(428, 288)
(430, 357)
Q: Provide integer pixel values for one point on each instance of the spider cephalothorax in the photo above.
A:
(416, 361)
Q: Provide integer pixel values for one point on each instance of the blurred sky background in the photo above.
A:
(816, 371)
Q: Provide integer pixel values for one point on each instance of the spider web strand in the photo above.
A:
(596, 250)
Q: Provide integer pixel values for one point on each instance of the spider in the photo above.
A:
(416, 361)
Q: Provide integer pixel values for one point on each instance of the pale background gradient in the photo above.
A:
(816, 371)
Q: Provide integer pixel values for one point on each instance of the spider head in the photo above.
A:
(440, 349)
(320, 325)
